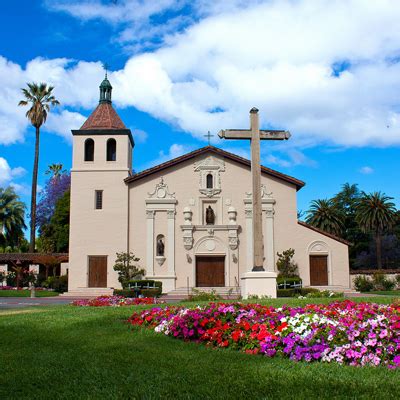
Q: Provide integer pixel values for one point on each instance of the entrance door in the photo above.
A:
(210, 271)
(97, 271)
(319, 270)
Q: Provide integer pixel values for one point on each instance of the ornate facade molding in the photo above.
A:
(161, 191)
(210, 166)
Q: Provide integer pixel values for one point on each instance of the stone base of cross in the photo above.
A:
(254, 134)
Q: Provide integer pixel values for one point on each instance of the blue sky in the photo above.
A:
(328, 72)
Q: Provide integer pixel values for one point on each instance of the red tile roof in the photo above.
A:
(334, 237)
(211, 149)
(103, 117)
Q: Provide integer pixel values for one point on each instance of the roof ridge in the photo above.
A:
(298, 183)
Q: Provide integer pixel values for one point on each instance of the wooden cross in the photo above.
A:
(254, 134)
(208, 136)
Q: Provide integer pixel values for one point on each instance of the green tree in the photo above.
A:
(12, 214)
(286, 266)
(41, 99)
(325, 215)
(126, 268)
(346, 202)
(376, 214)
(54, 236)
(55, 170)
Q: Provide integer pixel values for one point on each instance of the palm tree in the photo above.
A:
(12, 213)
(376, 214)
(40, 98)
(324, 214)
(55, 170)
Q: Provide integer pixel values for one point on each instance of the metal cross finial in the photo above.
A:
(209, 136)
(106, 67)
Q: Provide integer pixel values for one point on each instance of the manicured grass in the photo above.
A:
(387, 292)
(26, 293)
(66, 352)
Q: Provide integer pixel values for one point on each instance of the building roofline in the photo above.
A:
(104, 132)
(211, 149)
(31, 257)
(334, 237)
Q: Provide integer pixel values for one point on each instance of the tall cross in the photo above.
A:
(255, 134)
(208, 136)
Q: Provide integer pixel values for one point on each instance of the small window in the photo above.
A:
(98, 199)
(89, 150)
(111, 150)
(209, 181)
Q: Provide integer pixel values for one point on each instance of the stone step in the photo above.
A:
(342, 289)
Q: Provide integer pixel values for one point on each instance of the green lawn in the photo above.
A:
(68, 352)
(386, 292)
(26, 293)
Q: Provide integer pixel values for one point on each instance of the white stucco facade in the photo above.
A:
(160, 215)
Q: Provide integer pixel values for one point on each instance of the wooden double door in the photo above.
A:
(97, 271)
(210, 271)
(318, 270)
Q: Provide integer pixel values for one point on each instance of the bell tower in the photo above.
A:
(102, 159)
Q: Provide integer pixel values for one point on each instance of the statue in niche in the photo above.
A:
(160, 246)
(210, 216)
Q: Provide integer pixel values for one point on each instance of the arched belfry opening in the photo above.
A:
(111, 150)
(89, 150)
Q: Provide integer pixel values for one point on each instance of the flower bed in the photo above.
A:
(343, 332)
(114, 301)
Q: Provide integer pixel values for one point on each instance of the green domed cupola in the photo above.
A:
(105, 91)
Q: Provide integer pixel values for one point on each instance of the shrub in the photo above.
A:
(380, 282)
(151, 292)
(398, 281)
(124, 292)
(57, 283)
(285, 264)
(324, 294)
(363, 284)
(306, 291)
(286, 292)
(198, 295)
(288, 283)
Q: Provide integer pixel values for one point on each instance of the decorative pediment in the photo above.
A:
(265, 194)
(209, 170)
(161, 191)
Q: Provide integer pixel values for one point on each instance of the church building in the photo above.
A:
(189, 220)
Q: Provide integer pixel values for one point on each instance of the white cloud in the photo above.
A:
(277, 55)
(139, 135)
(366, 170)
(62, 123)
(8, 174)
(174, 151)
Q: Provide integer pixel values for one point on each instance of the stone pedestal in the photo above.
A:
(262, 283)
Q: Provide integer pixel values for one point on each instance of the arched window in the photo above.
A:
(89, 150)
(209, 181)
(111, 150)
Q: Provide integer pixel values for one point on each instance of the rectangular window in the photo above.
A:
(98, 199)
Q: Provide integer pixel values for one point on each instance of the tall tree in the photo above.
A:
(12, 213)
(55, 170)
(41, 99)
(376, 214)
(324, 214)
